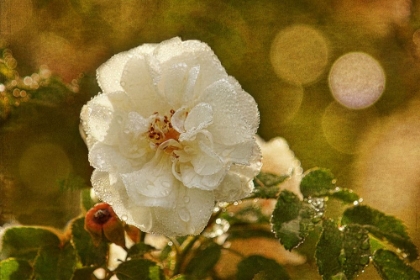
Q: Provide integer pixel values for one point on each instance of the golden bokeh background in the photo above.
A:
(338, 79)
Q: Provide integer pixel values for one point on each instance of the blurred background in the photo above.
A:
(338, 79)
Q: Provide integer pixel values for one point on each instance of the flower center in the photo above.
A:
(101, 216)
(161, 130)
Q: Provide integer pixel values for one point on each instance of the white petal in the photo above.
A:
(235, 113)
(192, 179)
(109, 74)
(233, 187)
(101, 116)
(191, 214)
(137, 81)
(108, 158)
(172, 84)
(154, 179)
(240, 153)
(178, 119)
(110, 189)
(200, 117)
(206, 162)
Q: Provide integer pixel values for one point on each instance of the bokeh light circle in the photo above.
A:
(356, 80)
(299, 54)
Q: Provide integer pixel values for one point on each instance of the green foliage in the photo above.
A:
(139, 269)
(88, 253)
(267, 185)
(317, 182)
(328, 250)
(138, 250)
(24, 242)
(293, 219)
(55, 263)
(342, 253)
(390, 266)
(383, 227)
(14, 269)
(204, 261)
(259, 267)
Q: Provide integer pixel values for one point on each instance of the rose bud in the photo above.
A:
(101, 221)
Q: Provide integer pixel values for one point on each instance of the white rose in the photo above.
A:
(170, 135)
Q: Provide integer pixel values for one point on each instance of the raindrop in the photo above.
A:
(124, 218)
(166, 184)
(184, 215)
(186, 199)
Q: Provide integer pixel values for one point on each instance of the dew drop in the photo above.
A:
(184, 215)
(166, 184)
(186, 199)
(124, 218)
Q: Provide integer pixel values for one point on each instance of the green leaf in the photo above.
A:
(13, 269)
(67, 262)
(345, 195)
(45, 266)
(355, 254)
(317, 182)
(382, 226)
(88, 253)
(259, 267)
(203, 261)
(328, 250)
(139, 269)
(55, 263)
(390, 266)
(24, 242)
(138, 250)
(266, 185)
(293, 219)
(344, 252)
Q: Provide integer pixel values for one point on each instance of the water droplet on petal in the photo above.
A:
(124, 218)
(184, 215)
(186, 199)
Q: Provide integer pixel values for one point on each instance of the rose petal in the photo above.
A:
(192, 179)
(109, 74)
(137, 81)
(102, 116)
(154, 179)
(191, 214)
(108, 158)
(235, 113)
